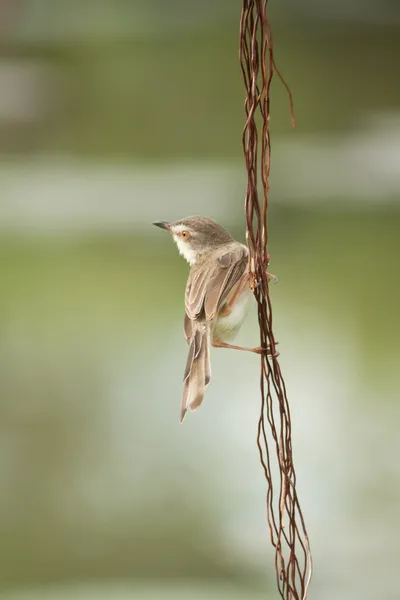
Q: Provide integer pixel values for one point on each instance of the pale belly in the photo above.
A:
(226, 328)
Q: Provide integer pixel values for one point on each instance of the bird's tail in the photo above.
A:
(198, 369)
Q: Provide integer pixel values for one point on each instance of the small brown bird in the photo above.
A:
(216, 299)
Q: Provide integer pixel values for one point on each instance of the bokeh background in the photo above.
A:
(116, 113)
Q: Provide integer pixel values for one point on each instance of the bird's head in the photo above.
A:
(196, 236)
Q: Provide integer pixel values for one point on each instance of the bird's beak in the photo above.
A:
(163, 225)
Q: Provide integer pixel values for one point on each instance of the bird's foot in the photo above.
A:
(254, 283)
(267, 351)
(258, 350)
(273, 277)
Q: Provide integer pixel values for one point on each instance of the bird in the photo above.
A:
(217, 297)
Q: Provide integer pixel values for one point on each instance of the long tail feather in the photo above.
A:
(207, 362)
(197, 373)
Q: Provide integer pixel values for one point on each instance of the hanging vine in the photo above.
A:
(288, 532)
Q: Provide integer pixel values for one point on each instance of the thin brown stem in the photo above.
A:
(285, 518)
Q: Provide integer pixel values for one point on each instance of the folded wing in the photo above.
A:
(210, 283)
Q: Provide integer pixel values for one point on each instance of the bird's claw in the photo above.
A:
(254, 283)
(273, 277)
(268, 351)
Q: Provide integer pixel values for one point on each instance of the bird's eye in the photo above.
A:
(185, 234)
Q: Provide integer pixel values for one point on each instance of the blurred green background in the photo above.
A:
(117, 113)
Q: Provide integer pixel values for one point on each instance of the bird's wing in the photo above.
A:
(210, 284)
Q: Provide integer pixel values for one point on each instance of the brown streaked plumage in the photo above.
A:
(216, 297)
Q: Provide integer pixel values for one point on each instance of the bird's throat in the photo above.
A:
(186, 251)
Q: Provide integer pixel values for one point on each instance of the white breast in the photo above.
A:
(226, 328)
